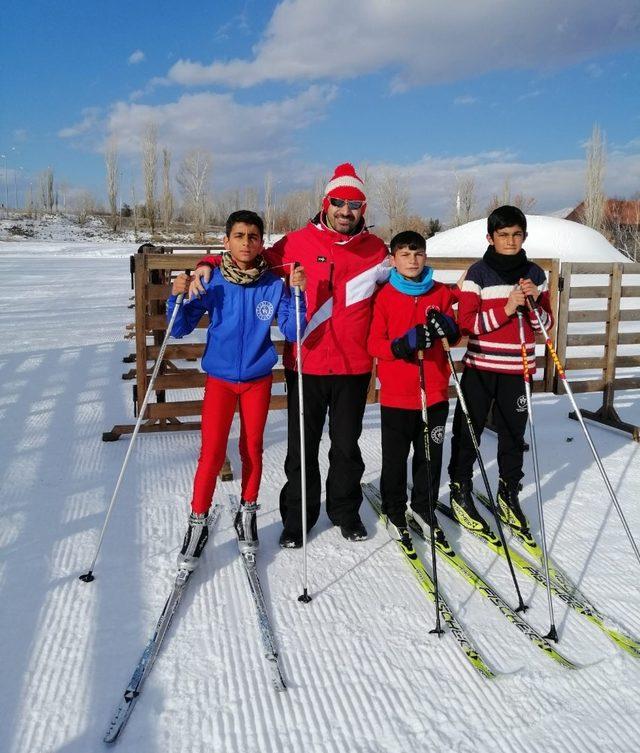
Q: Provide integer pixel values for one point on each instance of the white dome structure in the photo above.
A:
(549, 237)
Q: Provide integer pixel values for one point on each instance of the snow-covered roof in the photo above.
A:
(549, 237)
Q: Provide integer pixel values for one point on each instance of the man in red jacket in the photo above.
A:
(344, 264)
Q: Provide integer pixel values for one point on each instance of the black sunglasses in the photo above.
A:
(351, 203)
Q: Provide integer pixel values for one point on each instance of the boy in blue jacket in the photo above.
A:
(242, 299)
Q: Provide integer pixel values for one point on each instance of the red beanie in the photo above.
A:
(345, 184)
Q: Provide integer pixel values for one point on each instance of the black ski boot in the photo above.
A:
(509, 505)
(397, 529)
(246, 526)
(464, 509)
(290, 540)
(354, 530)
(194, 541)
(422, 519)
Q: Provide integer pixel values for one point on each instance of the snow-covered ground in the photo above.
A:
(363, 672)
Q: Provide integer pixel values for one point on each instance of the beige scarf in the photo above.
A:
(231, 272)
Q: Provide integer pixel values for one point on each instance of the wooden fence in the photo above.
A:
(152, 268)
(596, 333)
(598, 313)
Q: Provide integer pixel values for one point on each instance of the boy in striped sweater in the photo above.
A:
(493, 289)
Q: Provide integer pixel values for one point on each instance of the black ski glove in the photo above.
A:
(440, 325)
(416, 338)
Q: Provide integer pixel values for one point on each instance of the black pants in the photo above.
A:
(344, 397)
(510, 414)
(400, 430)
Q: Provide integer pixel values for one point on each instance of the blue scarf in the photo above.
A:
(416, 286)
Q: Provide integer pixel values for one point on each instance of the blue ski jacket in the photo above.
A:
(239, 346)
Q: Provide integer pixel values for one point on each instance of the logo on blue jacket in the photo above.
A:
(264, 311)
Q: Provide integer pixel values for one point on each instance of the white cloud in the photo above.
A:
(465, 100)
(245, 140)
(530, 95)
(88, 123)
(421, 42)
(136, 57)
(558, 183)
(20, 135)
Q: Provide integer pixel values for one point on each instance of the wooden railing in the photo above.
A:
(596, 299)
(152, 269)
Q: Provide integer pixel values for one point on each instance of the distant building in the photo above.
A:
(617, 212)
(621, 224)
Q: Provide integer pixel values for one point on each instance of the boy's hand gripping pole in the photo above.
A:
(522, 607)
(88, 576)
(304, 596)
(533, 306)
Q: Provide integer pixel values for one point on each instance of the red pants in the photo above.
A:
(220, 399)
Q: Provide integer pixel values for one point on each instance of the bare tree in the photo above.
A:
(268, 205)
(520, 200)
(623, 226)
(427, 227)
(292, 212)
(594, 198)
(167, 196)
(193, 179)
(111, 163)
(135, 209)
(47, 193)
(392, 196)
(251, 199)
(64, 191)
(465, 200)
(316, 195)
(149, 170)
(86, 205)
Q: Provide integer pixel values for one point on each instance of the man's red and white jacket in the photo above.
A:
(343, 272)
(494, 337)
(393, 314)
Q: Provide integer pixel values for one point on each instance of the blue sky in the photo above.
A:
(435, 91)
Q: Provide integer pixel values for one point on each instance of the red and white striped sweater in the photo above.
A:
(494, 338)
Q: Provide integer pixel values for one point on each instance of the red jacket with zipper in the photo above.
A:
(343, 272)
(393, 314)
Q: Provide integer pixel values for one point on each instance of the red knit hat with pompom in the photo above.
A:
(344, 184)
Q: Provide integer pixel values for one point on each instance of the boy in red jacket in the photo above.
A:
(410, 313)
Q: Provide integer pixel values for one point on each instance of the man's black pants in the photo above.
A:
(510, 414)
(344, 397)
(401, 429)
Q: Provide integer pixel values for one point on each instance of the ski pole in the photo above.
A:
(463, 405)
(304, 596)
(88, 576)
(533, 306)
(432, 516)
(553, 633)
